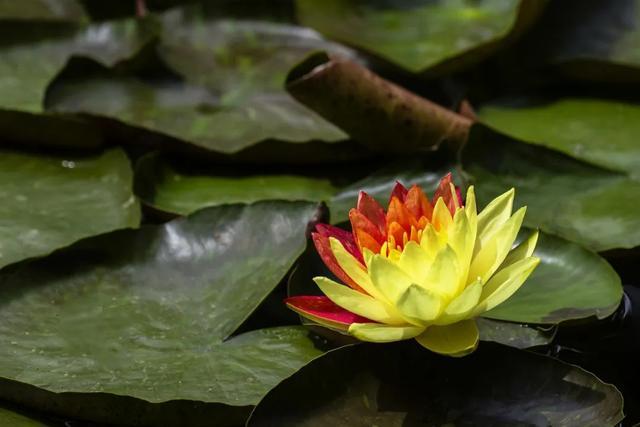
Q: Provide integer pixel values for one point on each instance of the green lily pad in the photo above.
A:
(570, 283)
(42, 10)
(405, 384)
(51, 202)
(381, 182)
(595, 130)
(234, 95)
(592, 39)
(580, 202)
(15, 419)
(167, 189)
(29, 60)
(145, 313)
(419, 35)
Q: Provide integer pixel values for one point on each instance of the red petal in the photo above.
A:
(343, 236)
(371, 209)
(444, 191)
(324, 250)
(398, 191)
(322, 310)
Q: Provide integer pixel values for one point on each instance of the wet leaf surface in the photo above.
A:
(145, 314)
(404, 384)
(52, 202)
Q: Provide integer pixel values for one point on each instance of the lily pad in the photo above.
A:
(570, 283)
(51, 202)
(30, 60)
(404, 384)
(42, 10)
(592, 39)
(145, 314)
(598, 131)
(441, 35)
(515, 334)
(15, 419)
(565, 197)
(243, 63)
(167, 189)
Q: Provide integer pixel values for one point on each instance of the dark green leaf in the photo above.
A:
(404, 384)
(565, 197)
(169, 190)
(570, 283)
(42, 10)
(599, 131)
(423, 34)
(243, 64)
(11, 418)
(592, 39)
(51, 202)
(144, 313)
(30, 60)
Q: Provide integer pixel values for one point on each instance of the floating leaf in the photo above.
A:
(514, 334)
(404, 384)
(569, 283)
(42, 10)
(30, 60)
(592, 39)
(51, 202)
(565, 197)
(15, 419)
(144, 313)
(599, 131)
(419, 35)
(169, 190)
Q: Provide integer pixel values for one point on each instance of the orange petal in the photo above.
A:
(368, 207)
(395, 235)
(399, 213)
(444, 191)
(361, 222)
(324, 250)
(365, 240)
(417, 203)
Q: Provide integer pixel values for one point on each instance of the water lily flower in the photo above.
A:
(423, 269)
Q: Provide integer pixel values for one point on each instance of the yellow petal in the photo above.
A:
(457, 339)
(522, 251)
(353, 268)
(495, 214)
(359, 303)
(414, 261)
(505, 283)
(493, 252)
(431, 241)
(462, 306)
(444, 274)
(470, 209)
(441, 217)
(420, 305)
(388, 279)
(376, 332)
(462, 240)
